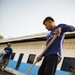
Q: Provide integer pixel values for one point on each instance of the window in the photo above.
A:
(68, 64)
(31, 58)
(19, 61)
(12, 56)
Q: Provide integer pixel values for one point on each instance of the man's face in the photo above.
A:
(8, 46)
(49, 25)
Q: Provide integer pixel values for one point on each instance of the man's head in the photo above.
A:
(8, 44)
(49, 23)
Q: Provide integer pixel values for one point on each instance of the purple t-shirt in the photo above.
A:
(57, 46)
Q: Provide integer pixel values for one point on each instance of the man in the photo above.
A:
(6, 57)
(53, 54)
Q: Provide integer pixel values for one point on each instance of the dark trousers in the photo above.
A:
(49, 65)
(4, 62)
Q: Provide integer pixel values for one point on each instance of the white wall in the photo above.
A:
(38, 46)
(68, 49)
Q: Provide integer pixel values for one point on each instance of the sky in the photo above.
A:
(25, 17)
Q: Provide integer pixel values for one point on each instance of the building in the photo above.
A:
(26, 48)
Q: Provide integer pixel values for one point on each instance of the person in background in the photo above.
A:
(7, 56)
(53, 54)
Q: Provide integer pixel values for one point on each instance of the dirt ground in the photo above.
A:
(5, 73)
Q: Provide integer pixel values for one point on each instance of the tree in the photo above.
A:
(1, 37)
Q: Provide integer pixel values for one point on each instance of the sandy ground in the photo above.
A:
(5, 73)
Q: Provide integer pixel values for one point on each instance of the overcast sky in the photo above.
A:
(25, 17)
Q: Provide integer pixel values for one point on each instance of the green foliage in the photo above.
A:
(1, 37)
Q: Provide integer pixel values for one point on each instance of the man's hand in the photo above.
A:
(58, 32)
(39, 58)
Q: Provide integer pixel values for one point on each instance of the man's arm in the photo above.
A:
(41, 55)
(67, 28)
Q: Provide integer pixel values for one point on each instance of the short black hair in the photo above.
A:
(48, 18)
